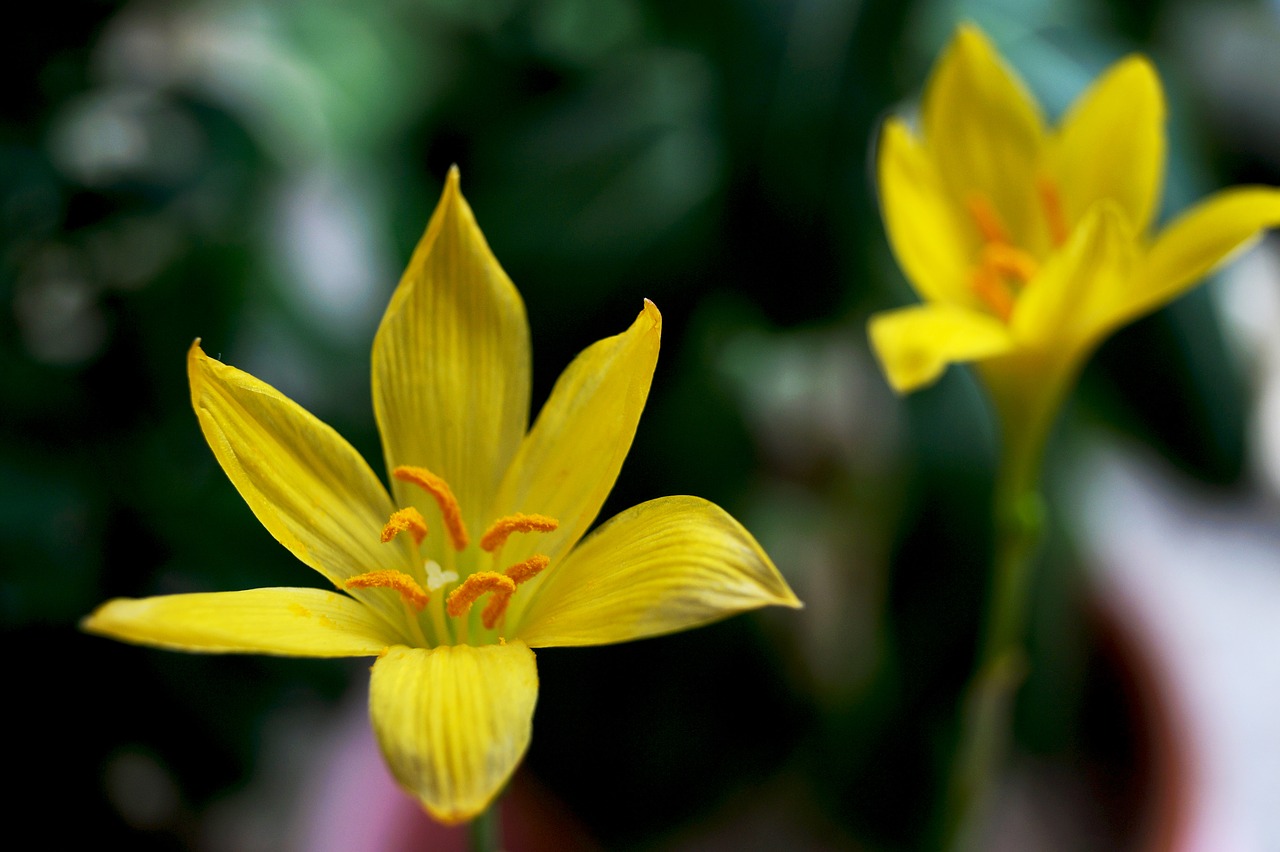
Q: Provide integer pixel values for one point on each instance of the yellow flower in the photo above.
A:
(454, 686)
(1029, 245)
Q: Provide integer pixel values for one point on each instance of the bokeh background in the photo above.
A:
(256, 174)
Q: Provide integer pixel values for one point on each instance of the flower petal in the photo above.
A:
(454, 721)
(985, 133)
(571, 458)
(291, 622)
(1111, 145)
(921, 222)
(915, 344)
(1072, 302)
(1199, 241)
(451, 364)
(303, 481)
(666, 565)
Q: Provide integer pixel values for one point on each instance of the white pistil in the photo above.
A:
(437, 578)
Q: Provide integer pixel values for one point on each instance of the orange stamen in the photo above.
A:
(408, 519)
(1004, 259)
(496, 535)
(443, 494)
(1051, 201)
(519, 573)
(987, 218)
(413, 594)
(479, 583)
(992, 290)
(496, 609)
(522, 572)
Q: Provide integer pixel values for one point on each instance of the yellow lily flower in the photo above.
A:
(451, 615)
(1029, 245)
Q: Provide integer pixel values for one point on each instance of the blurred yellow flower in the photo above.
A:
(1029, 245)
(454, 685)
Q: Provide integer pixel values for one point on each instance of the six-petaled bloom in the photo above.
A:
(1029, 245)
(477, 554)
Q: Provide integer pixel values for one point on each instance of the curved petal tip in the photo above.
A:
(651, 311)
(970, 38)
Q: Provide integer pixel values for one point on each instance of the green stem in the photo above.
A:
(485, 831)
(1002, 663)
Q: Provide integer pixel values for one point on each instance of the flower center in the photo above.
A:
(1003, 269)
(500, 586)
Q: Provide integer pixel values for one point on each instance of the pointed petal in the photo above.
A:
(303, 481)
(914, 345)
(1111, 145)
(571, 458)
(927, 237)
(1199, 241)
(451, 364)
(985, 133)
(454, 721)
(666, 565)
(1072, 302)
(290, 622)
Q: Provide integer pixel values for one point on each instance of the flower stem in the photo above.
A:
(484, 833)
(987, 713)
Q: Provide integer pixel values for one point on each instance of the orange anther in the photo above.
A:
(987, 218)
(993, 292)
(496, 609)
(443, 494)
(407, 519)
(479, 583)
(1051, 201)
(1004, 259)
(522, 572)
(413, 594)
(496, 535)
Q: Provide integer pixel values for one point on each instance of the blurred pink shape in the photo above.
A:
(1196, 576)
(351, 803)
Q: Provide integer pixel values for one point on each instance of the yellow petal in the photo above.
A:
(1199, 240)
(1111, 145)
(572, 456)
(1071, 303)
(307, 486)
(291, 622)
(985, 134)
(920, 219)
(451, 364)
(454, 721)
(915, 344)
(663, 566)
